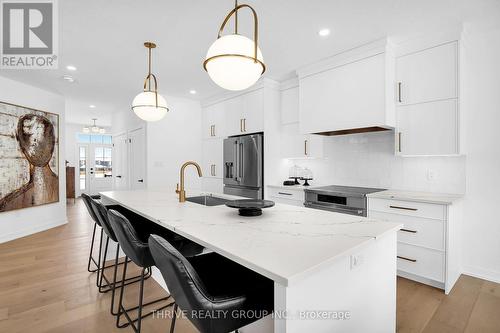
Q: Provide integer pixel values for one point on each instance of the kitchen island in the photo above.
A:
(332, 272)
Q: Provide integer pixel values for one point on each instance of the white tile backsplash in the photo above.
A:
(369, 160)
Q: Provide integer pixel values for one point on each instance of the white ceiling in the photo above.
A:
(103, 39)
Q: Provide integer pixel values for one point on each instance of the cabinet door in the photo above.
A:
(346, 97)
(290, 105)
(428, 75)
(296, 145)
(212, 158)
(233, 110)
(213, 121)
(253, 112)
(428, 128)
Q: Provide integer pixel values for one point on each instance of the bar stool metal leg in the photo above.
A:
(174, 317)
(122, 311)
(104, 288)
(91, 259)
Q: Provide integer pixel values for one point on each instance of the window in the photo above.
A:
(95, 138)
(82, 166)
(103, 163)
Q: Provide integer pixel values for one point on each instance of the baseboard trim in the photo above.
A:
(481, 273)
(30, 231)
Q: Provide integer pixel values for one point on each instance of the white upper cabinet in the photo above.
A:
(349, 96)
(427, 75)
(213, 121)
(290, 105)
(244, 114)
(428, 128)
(427, 103)
(300, 146)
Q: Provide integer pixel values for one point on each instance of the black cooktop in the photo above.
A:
(346, 189)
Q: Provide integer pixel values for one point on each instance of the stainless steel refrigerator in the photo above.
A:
(243, 166)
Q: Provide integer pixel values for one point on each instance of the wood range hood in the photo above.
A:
(354, 131)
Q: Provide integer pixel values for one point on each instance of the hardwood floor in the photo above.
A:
(45, 287)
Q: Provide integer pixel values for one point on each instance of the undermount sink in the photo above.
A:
(207, 200)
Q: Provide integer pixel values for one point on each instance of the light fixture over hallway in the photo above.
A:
(149, 105)
(235, 62)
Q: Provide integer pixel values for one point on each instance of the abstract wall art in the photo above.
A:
(29, 157)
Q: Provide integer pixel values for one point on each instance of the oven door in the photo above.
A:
(336, 202)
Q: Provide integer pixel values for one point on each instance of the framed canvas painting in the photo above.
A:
(29, 157)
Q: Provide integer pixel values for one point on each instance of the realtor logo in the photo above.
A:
(29, 34)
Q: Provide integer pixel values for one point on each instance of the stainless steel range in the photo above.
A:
(340, 199)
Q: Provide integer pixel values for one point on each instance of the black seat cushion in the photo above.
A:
(209, 284)
(132, 232)
(87, 200)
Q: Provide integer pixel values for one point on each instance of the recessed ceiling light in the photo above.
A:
(71, 68)
(192, 92)
(324, 32)
(92, 106)
(68, 78)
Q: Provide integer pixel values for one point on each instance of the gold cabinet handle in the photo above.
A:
(407, 259)
(399, 141)
(399, 92)
(408, 230)
(403, 208)
(305, 147)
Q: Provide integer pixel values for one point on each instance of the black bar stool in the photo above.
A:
(101, 212)
(133, 242)
(205, 284)
(86, 199)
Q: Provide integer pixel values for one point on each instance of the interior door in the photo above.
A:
(120, 167)
(137, 143)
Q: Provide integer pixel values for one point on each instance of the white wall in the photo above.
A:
(482, 102)
(124, 121)
(23, 222)
(172, 141)
(369, 160)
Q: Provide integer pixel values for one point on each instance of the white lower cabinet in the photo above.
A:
(292, 196)
(428, 249)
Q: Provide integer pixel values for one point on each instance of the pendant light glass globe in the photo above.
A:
(144, 106)
(230, 62)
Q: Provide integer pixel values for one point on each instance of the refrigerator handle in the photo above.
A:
(236, 161)
(240, 163)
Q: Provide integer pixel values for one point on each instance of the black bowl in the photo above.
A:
(250, 207)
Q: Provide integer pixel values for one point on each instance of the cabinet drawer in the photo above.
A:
(297, 195)
(420, 261)
(409, 208)
(416, 230)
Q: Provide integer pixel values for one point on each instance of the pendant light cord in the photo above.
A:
(236, 17)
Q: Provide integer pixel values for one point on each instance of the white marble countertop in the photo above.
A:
(285, 243)
(425, 197)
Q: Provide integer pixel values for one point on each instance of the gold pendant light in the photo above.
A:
(235, 62)
(149, 105)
